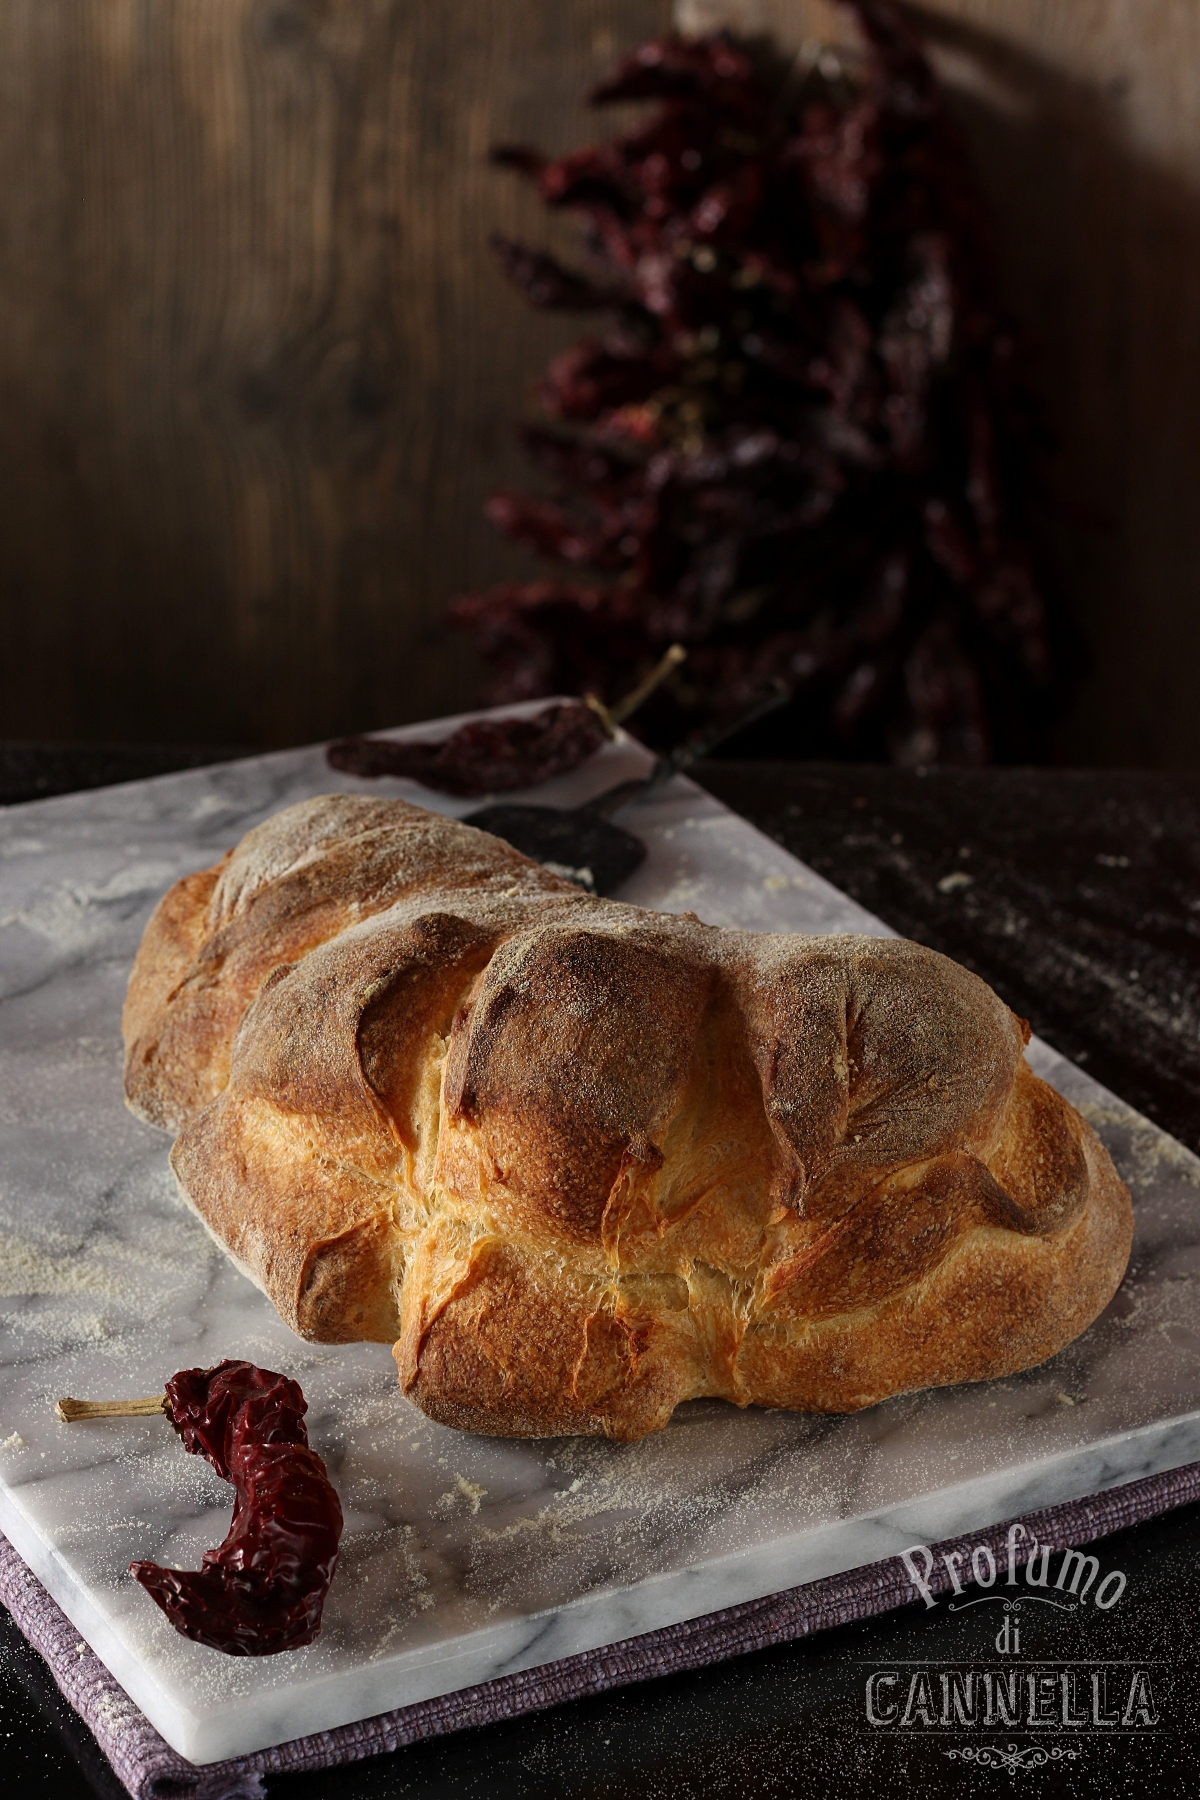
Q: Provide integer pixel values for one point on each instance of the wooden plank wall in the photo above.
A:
(257, 366)
(257, 369)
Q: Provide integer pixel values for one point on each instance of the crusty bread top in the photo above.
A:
(301, 878)
(581, 1160)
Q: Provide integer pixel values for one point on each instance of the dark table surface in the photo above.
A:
(1077, 895)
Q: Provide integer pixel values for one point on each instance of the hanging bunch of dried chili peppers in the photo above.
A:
(798, 444)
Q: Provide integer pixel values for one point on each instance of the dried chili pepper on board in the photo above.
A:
(262, 1591)
(485, 756)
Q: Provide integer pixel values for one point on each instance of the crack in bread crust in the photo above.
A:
(580, 1162)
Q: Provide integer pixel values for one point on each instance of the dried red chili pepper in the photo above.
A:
(797, 439)
(262, 1591)
(486, 756)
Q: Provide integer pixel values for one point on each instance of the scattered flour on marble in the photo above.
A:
(1141, 1151)
(14, 1441)
(392, 1555)
(72, 914)
(208, 805)
(470, 1491)
(145, 1270)
(639, 1481)
(683, 894)
(27, 1269)
(65, 1329)
(100, 1049)
(98, 1297)
(380, 1410)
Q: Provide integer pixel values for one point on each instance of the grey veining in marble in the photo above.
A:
(463, 1558)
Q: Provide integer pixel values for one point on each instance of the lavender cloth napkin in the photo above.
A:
(151, 1770)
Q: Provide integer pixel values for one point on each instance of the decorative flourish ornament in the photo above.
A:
(1016, 1757)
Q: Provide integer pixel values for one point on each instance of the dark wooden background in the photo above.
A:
(257, 369)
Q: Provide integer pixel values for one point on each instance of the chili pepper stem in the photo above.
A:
(625, 709)
(69, 1410)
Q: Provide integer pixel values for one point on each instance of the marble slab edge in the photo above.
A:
(609, 1615)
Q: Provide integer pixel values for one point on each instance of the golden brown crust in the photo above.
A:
(581, 1162)
(165, 1081)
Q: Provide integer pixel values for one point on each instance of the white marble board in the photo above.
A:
(463, 1558)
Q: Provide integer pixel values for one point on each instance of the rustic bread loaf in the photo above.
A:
(580, 1161)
